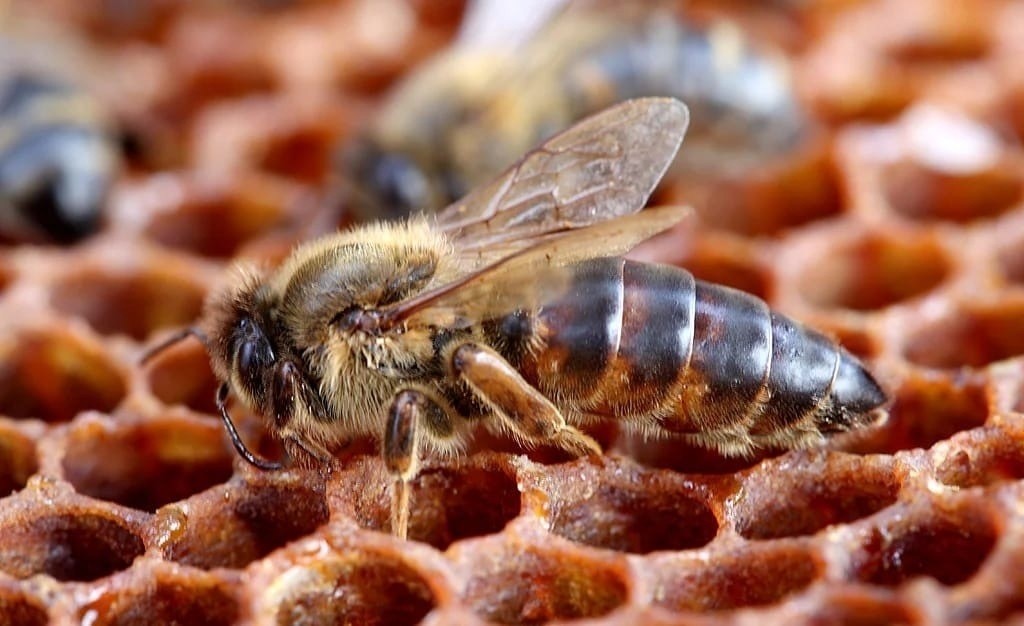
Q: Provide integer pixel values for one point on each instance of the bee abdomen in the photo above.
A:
(651, 344)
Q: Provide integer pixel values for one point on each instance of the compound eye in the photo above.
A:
(253, 353)
(247, 359)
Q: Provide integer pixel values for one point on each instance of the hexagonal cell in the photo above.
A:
(18, 608)
(874, 271)
(358, 587)
(53, 375)
(971, 336)
(680, 456)
(464, 498)
(130, 301)
(854, 605)
(525, 584)
(946, 542)
(920, 193)
(630, 510)
(798, 495)
(941, 32)
(214, 218)
(980, 457)
(162, 595)
(145, 465)
(924, 411)
(7, 275)
(1010, 257)
(181, 375)
(800, 188)
(67, 544)
(234, 525)
(18, 459)
(728, 265)
(749, 575)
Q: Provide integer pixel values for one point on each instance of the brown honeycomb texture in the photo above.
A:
(899, 229)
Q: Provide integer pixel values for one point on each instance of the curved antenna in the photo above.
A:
(236, 440)
(177, 337)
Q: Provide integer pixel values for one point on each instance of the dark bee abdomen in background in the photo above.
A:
(56, 160)
(650, 343)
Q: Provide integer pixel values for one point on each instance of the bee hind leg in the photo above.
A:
(524, 410)
(414, 413)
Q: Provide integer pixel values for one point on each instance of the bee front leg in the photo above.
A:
(414, 413)
(524, 409)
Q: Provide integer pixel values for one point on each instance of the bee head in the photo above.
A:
(245, 351)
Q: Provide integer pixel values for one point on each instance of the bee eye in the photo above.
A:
(253, 353)
(247, 359)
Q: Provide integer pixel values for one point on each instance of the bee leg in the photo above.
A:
(411, 411)
(524, 409)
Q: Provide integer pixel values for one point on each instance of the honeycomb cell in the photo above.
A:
(980, 457)
(862, 607)
(162, 597)
(1010, 258)
(920, 193)
(748, 576)
(797, 496)
(145, 465)
(530, 585)
(679, 456)
(181, 375)
(873, 271)
(648, 513)
(243, 521)
(730, 267)
(455, 504)
(972, 336)
(770, 199)
(215, 219)
(18, 459)
(18, 608)
(451, 501)
(944, 542)
(68, 545)
(133, 302)
(925, 411)
(53, 375)
(359, 587)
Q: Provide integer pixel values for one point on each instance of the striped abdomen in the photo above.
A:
(650, 344)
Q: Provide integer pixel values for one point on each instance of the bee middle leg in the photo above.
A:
(525, 410)
(414, 413)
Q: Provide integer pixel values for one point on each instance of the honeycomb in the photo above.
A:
(899, 229)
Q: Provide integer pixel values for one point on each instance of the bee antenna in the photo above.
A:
(236, 440)
(177, 337)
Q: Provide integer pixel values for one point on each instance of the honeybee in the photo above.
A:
(58, 156)
(510, 310)
(468, 113)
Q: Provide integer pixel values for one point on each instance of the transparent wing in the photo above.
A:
(532, 276)
(604, 167)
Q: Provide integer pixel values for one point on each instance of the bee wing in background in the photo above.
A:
(498, 23)
(532, 276)
(603, 167)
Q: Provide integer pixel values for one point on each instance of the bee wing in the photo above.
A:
(603, 167)
(532, 276)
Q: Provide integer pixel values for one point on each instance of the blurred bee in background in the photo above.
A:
(58, 155)
(470, 112)
(511, 309)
